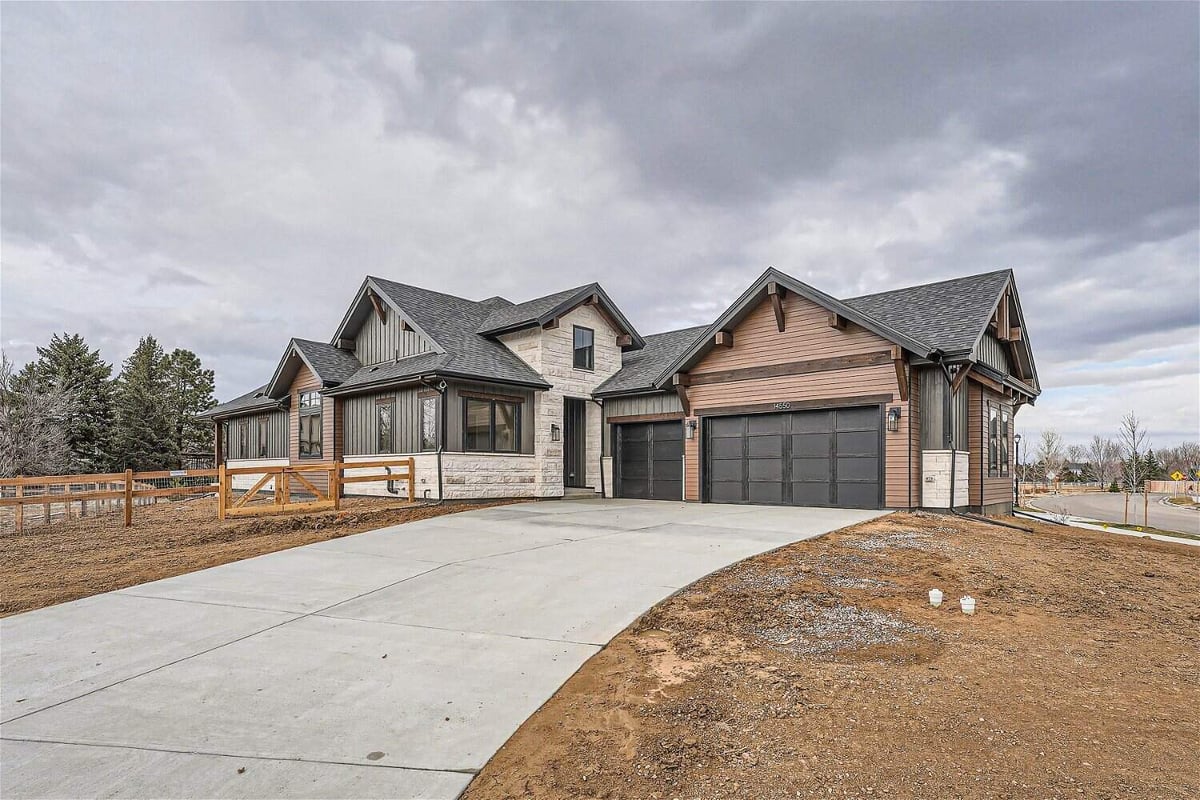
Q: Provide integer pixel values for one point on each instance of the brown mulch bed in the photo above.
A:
(69, 560)
(820, 670)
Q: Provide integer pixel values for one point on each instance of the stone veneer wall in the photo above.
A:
(551, 352)
(935, 467)
(465, 476)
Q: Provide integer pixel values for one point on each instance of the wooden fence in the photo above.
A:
(280, 484)
(55, 496)
(1174, 488)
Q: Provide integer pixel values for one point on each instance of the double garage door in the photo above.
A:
(804, 458)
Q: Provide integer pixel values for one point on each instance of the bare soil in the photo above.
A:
(821, 670)
(69, 560)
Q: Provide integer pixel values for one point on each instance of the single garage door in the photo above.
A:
(802, 458)
(649, 460)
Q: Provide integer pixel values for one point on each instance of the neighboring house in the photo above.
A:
(893, 400)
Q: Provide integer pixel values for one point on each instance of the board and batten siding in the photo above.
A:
(985, 490)
(638, 405)
(244, 431)
(807, 336)
(377, 342)
(360, 419)
(932, 386)
(994, 353)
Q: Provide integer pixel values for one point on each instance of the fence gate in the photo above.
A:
(299, 487)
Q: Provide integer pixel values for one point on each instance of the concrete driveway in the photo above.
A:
(386, 664)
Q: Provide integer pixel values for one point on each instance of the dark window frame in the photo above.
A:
(995, 438)
(388, 447)
(492, 403)
(264, 437)
(428, 402)
(243, 426)
(309, 408)
(589, 350)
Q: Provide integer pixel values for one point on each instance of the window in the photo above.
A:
(585, 352)
(263, 437)
(243, 438)
(384, 441)
(491, 426)
(310, 425)
(998, 421)
(429, 423)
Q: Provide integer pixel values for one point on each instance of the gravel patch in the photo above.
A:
(823, 630)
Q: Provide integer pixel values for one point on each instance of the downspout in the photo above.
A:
(603, 438)
(948, 406)
(439, 387)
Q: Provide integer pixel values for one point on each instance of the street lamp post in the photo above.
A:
(1017, 471)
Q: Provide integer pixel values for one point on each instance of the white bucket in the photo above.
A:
(935, 597)
(968, 604)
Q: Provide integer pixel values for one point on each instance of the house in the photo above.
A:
(901, 399)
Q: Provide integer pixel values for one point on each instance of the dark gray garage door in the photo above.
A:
(802, 458)
(649, 460)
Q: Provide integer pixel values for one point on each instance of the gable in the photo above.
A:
(807, 335)
(387, 338)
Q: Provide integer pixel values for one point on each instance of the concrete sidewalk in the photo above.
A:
(392, 663)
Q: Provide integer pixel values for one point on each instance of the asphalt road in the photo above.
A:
(1111, 507)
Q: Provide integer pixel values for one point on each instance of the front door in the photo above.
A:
(574, 442)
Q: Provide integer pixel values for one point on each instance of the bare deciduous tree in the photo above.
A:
(1050, 455)
(1103, 456)
(1132, 438)
(33, 438)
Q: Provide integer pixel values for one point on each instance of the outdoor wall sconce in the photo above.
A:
(893, 418)
(690, 429)
(555, 432)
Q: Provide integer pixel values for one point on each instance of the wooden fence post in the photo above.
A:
(19, 509)
(221, 491)
(411, 481)
(335, 485)
(128, 497)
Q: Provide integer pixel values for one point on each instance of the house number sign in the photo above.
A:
(782, 406)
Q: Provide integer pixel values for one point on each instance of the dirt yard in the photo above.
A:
(821, 670)
(68, 560)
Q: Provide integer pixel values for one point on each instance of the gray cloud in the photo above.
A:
(223, 175)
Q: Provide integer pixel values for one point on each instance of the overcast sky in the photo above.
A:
(224, 175)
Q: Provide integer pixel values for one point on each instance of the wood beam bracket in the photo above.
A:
(624, 340)
(836, 320)
(377, 304)
(776, 293)
(681, 381)
(901, 371)
(959, 378)
(723, 339)
(551, 325)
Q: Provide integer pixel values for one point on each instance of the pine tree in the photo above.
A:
(86, 381)
(190, 391)
(1154, 467)
(144, 435)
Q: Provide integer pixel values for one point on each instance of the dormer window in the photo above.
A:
(585, 351)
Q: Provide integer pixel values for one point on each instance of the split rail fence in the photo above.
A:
(240, 491)
(303, 487)
(32, 501)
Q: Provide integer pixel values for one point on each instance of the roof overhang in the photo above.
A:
(757, 293)
(396, 381)
(365, 303)
(268, 404)
(1020, 351)
(285, 372)
(592, 294)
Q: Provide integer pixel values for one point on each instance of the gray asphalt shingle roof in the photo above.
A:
(250, 401)
(949, 315)
(452, 323)
(641, 368)
(529, 312)
(331, 364)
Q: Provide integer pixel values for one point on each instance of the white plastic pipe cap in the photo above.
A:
(967, 604)
(935, 597)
